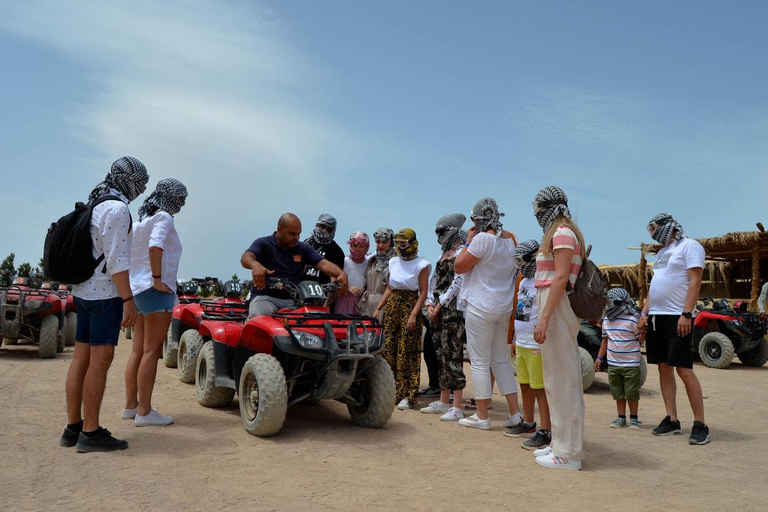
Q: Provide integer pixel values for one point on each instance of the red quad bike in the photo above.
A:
(184, 341)
(720, 332)
(297, 354)
(70, 313)
(34, 315)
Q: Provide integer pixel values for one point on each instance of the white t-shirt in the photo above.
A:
(404, 275)
(155, 231)
(527, 314)
(490, 285)
(356, 271)
(669, 286)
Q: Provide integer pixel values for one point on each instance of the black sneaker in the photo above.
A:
(430, 391)
(69, 437)
(101, 442)
(699, 433)
(667, 427)
(522, 429)
(540, 439)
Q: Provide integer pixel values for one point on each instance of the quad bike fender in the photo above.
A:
(190, 315)
(227, 333)
(704, 318)
(258, 332)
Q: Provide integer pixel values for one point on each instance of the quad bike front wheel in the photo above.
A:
(757, 356)
(587, 368)
(374, 393)
(71, 329)
(208, 393)
(189, 346)
(263, 395)
(129, 333)
(49, 337)
(716, 350)
(170, 355)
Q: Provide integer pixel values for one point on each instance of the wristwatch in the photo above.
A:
(686, 314)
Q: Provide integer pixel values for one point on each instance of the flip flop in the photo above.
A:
(470, 404)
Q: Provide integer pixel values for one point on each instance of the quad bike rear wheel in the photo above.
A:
(716, 350)
(71, 329)
(374, 390)
(129, 333)
(263, 395)
(643, 371)
(170, 355)
(587, 368)
(208, 393)
(189, 346)
(757, 356)
(49, 337)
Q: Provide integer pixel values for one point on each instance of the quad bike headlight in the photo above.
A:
(371, 337)
(308, 340)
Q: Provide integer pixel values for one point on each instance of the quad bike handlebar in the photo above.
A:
(306, 292)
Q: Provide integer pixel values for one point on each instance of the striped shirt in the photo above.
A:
(623, 345)
(564, 238)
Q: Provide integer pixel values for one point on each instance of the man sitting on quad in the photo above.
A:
(282, 255)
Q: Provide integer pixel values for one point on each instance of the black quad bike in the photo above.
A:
(589, 339)
(722, 332)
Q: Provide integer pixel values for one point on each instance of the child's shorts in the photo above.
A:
(624, 382)
(529, 369)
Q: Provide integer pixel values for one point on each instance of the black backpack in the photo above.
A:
(68, 251)
(590, 294)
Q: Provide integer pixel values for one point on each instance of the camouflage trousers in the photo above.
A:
(449, 337)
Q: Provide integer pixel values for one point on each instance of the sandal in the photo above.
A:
(470, 404)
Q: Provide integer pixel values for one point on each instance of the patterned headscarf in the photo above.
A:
(485, 215)
(550, 203)
(169, 196)
(412, 250)
(448, 230)
(525, 254)
(320, 236)
(661, 227)
(127, 175)
(381, 260)
(358, 238)
(619, 303)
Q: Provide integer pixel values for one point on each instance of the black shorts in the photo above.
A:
(664, 345)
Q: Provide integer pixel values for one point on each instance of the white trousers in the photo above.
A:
(562, 378)
(487, 348)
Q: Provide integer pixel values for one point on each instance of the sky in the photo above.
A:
(387, 114)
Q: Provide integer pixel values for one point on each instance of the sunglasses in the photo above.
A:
(543, 205)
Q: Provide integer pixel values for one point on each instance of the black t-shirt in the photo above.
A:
(287, 264)
(330, 251)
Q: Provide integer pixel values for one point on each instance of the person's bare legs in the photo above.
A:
(669, 389)
(155, 331)
(93, 386)
(529, 401)
(621, 407)
(75, 380)
(693, 389)
(541, 399)
(132, 367)
(482, 407)
(514, 408)
(633, 407)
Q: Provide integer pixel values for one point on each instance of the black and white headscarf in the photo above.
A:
(661, 227)
(381, 259)
(485, 216)
(550, 203)
(169, 196)
(127, 175)
(320, 236)
(448, 230)
(526, 252)
(619, 303)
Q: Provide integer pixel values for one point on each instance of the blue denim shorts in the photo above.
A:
(154, 301)
(98, 321)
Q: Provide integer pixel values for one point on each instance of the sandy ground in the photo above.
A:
(321, 461)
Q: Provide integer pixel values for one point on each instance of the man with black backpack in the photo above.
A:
(104, 300)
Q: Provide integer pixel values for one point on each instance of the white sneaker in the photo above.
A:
(154, 418)
(512, 421)
(543, 451)
(453, 414)
(437, 407)
(554, 462)
(129, 414)
(404, 405)
(475, 422)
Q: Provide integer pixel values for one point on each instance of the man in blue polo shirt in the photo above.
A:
(283, 255)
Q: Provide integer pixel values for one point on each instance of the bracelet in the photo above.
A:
(156, 277)
(465, 245)
(643, 315)
(129, 299)
(598, 358)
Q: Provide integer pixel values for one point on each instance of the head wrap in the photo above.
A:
(525, 253)
(619, 303)
(412, 249)
(358, 238)
(448, 229)
(485, 215)
(381, 259)
(550, 203)
(169, 196)
(320, 236)
(127, 175)
(661, 227)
